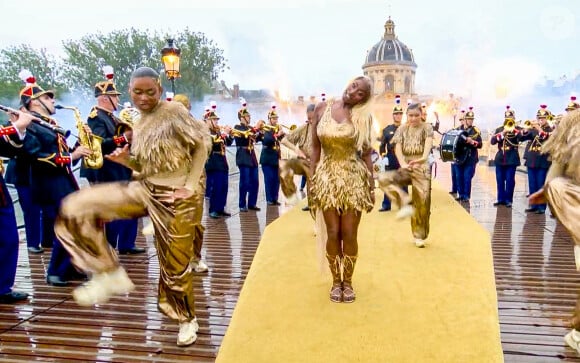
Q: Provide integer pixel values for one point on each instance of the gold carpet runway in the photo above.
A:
(436, 304)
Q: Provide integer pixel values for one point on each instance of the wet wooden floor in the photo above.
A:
(535, 276)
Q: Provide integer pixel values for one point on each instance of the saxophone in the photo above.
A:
(88, 140)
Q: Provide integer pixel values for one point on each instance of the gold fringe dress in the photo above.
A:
(341, 180)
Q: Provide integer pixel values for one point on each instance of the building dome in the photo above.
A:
(390, 50)
(390, 65)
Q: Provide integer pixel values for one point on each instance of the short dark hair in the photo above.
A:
(414, 106)
(143, 72)
(310, 107)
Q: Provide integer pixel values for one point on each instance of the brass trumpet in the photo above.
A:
(509, 125)
(240, 133)
(291, 127)
(529, 124)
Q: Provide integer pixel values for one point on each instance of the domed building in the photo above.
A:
(391, 64)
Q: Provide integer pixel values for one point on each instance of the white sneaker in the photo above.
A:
(200, 267)
(573, 340)
(419, 242)
(148, 229)
(577, 257)
(95, 291)
(405, 211)
(100, 288)
(119, 282)
(187, 333)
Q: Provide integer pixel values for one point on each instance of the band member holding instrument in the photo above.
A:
(387, 148)
(121, 233)
(169, 149)
(51, 173)
(11, 138)
(507, 158)
(455, 186)
(466, 170)
(270, 156)
(537, 161)
(562, 192)
(245, 137)
(342, 184)
(573, 105)
(216, 167)
(413, 143)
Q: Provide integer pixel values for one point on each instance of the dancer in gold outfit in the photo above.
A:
(342, 185)
(414, 141)
(169, 150)
(562, 191)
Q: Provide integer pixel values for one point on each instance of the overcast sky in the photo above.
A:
(309, 46)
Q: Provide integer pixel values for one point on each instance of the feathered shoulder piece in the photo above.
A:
(165, 140)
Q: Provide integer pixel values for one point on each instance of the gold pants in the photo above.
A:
(289, 168)
(564, 198)
(391, 182)
(199, 228)
(79, 227)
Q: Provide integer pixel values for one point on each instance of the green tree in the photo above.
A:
(46, 68)
(127, 49)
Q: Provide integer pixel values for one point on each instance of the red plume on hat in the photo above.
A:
(169, 96)
(272, 112)
(213, 105)
(243, 111)
(323, 96)
(109, 72)
(31, 90)
(27, 77)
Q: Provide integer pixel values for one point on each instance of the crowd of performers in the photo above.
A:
(166, 163)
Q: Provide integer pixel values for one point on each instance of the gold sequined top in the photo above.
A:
(412, 139)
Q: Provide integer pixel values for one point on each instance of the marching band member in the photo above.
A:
(387, 148)
(11, 138)
(51, 172)
(245, 137)
(466, 170)
(537, 162)
(562, 191)
(217, 168)
(169, 149)
(455, 186)
(270, 156)
(121, 233)
(507, 158)
(413, 143)
(342, 184)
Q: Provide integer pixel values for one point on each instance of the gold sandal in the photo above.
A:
(348, 294)
(336, 293)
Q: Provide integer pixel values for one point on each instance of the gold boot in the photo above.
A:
(348, 263)
(335, 267)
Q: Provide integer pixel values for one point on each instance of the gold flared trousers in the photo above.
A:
(290, 167)
(564, 198)
(391, 182)
(79, 227)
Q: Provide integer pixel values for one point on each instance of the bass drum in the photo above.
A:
(453, 146)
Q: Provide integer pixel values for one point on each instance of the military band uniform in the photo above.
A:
(455, 186)
(506, 160)
(52, 180)
(120, 233)
(217, 171)
(18, 174)
(269, 159)
(537, 162)
(466, 170)
(247, 163)
(9, 145)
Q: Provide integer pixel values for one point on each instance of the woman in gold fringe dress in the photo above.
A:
(562, 191)
(342, 185)
(413, 143)
(169, 149)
